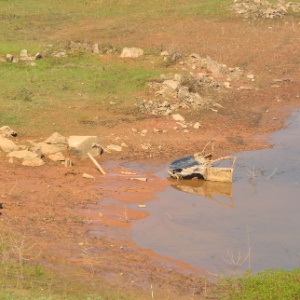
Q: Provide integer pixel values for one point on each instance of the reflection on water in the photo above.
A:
(259, 232)
(218, 192)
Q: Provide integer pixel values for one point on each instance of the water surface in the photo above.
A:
(252, 224)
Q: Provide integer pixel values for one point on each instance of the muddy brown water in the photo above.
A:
(252, 224)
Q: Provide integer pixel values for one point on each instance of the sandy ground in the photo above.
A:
(58, 210)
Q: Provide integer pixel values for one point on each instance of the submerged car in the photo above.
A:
(203, 167)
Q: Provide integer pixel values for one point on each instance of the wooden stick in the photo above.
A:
(96, 164)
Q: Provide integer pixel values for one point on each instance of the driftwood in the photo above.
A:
(96, 163)
(88, 176)
(139, 178)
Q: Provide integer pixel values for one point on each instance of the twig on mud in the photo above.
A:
(13, 188)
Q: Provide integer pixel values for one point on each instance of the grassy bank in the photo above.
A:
(266, 285)
(66, 91)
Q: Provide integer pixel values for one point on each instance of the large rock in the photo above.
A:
(6, 131)
(173, 85)
(178, 118)
(57, 138)
(132, 52)
(47, 149)
(57, 157)
(23, 154)
(213, 67)
(80, 145)
(7, 145)
(35, 162)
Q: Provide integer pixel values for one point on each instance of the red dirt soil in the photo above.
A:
(58, 209)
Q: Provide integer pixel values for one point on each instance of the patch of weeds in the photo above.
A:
(23, 94)
(274, 284)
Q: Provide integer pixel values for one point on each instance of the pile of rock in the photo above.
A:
(263, 8)
(206, 67)
(184, 91)
(91, 48)
(24, 56)
(172, 88)
(56, 148)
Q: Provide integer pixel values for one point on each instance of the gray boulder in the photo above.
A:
(48, 149)
(57, 138)
(80, 145)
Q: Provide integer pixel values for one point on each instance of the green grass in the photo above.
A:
(43, 93)
(32, 21)
(267, 285)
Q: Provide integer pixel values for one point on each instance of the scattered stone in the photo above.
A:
(178, 117)
(134, 130)
(57, 138)
(35, 162)
(7, 145)
(124, 145)
(146, 146)
(24, 53)
(60, 54)
(95, 48)
(57, 157)
(114, 148)
(164, 53)
(47, 149)
(144, 132)
(9, 57)
(227, 85)
(88, 176)
(251, 77)
(23, 154)
(263, 9)
(197, 125)
(11, 160)
(131, 52)
(183, 125)
(80, 145)
(6, 131)
(218, 105)
(142, 206)
(173, 85)
(38, 56)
